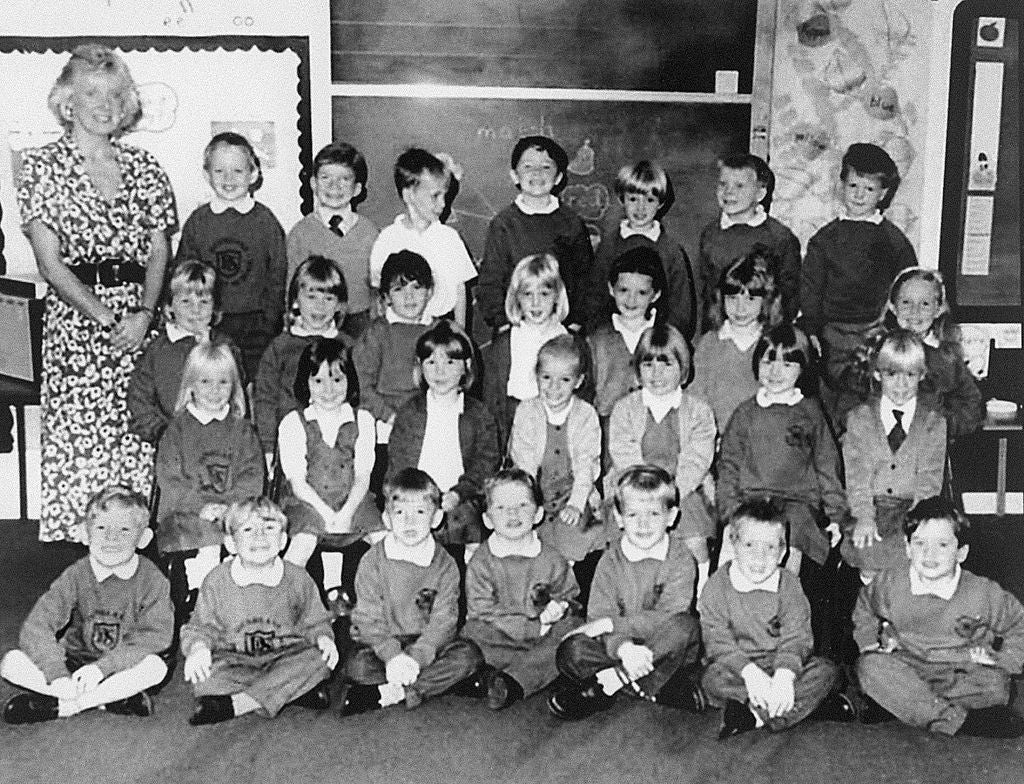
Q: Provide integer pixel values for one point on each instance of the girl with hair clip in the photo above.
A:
(663, 424)
(209, 457)
(917, 301)
(317, 297)
(746, 303)
(778, 444)
(326, 447)
(536, 303)
(448, 434)
(190, 314)
(244, 242)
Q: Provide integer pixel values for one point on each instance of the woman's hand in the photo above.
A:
(130, 331)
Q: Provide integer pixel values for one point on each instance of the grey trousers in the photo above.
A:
(272, 679)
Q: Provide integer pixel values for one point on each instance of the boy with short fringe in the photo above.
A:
(260, 638)
(640, 636)
(744, 191)
(519, 593)
(536, 222)
(756, 624)
(336, 231)
(938, 644)
(407, 607)
(645, 192)
(95, 638)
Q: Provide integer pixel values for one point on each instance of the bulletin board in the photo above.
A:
(201, 67)
(981, 247)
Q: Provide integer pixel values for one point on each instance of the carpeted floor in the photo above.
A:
(458, 740)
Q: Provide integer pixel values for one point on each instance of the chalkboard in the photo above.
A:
(599, 136)
(664, 45)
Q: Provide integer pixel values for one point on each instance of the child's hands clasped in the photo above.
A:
(570, 515)
(781, 697)
(637, 660)
(759, 685)
(979, 654)
(86, 678)
(198, 664)
(402, 669)
(328, 651)
(865, 534)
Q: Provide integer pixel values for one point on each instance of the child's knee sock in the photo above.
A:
(333, 565)
(242, 703)
(609, 680)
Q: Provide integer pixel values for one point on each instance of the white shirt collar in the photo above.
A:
(629, 335)
(343, 414)
(244, 576)
(743, 584)
(551, 206)
(243, 205)
(875, 217)
(660, 405)
(759, 217)
(652, 230)
(658, 552)
(125, 571)
(886, 407)
(393, 318)
(943, 590)
(421, 555)
(789, 398)
(206, 417)
(176, 333)
(301, 331)
(743, 338)
(558, 418)
(500, 547)
(441, 404)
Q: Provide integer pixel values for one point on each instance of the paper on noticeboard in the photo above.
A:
(977, 236)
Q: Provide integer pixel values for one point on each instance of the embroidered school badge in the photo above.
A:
(260, 643)
(105, 636)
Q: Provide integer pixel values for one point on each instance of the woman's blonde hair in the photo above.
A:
(543, 268)
(95, 59)
(212, 357)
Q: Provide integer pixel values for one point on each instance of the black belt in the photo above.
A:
(109, 273)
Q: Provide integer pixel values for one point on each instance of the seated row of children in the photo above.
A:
(938, 644)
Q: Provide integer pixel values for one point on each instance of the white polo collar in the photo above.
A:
(633, 553)
(743, 584)
(393, 318)
(790, 398)
(125, 571)
(652, 230)
(299, 330)
(875, 217)
(943, 590)
(206, 417)
(549, 208)
(660, 405)
(176, 333)
(500, 547)
(243, 205)
(759, 217)
(421, 555)
(244, 576)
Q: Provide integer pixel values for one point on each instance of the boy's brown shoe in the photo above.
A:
(212, 709)
(997, 721)
(29, 707)
(359, 698)
(502, 690)
(317, 698)
(835, 707)
(140, 704)
(736, 719)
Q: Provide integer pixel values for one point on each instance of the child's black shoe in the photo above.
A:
(212, 709)
(140, 704)
(873, 713)
(682, 690)
(29, 707)
(475, 685)
(358, 698)
(998, 721)
(317, 698)
(835, 707)
(579, 701)
(736, 719)
(502, 690)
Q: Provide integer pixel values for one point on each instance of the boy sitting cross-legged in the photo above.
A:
(93, 639)
(407, 607)
(756, 623)
(260, 637)
(519, 593)
(640, 633)
(938, 644)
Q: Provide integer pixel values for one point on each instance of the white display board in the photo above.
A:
(202, 66)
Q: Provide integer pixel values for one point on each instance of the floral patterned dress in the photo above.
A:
(86, 443)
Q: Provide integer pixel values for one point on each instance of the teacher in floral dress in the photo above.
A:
(98, 214)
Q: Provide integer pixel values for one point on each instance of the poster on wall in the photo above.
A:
(200, 67)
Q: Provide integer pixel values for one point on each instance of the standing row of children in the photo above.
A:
(411, 379)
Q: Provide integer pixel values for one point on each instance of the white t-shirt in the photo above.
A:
(443, 249)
